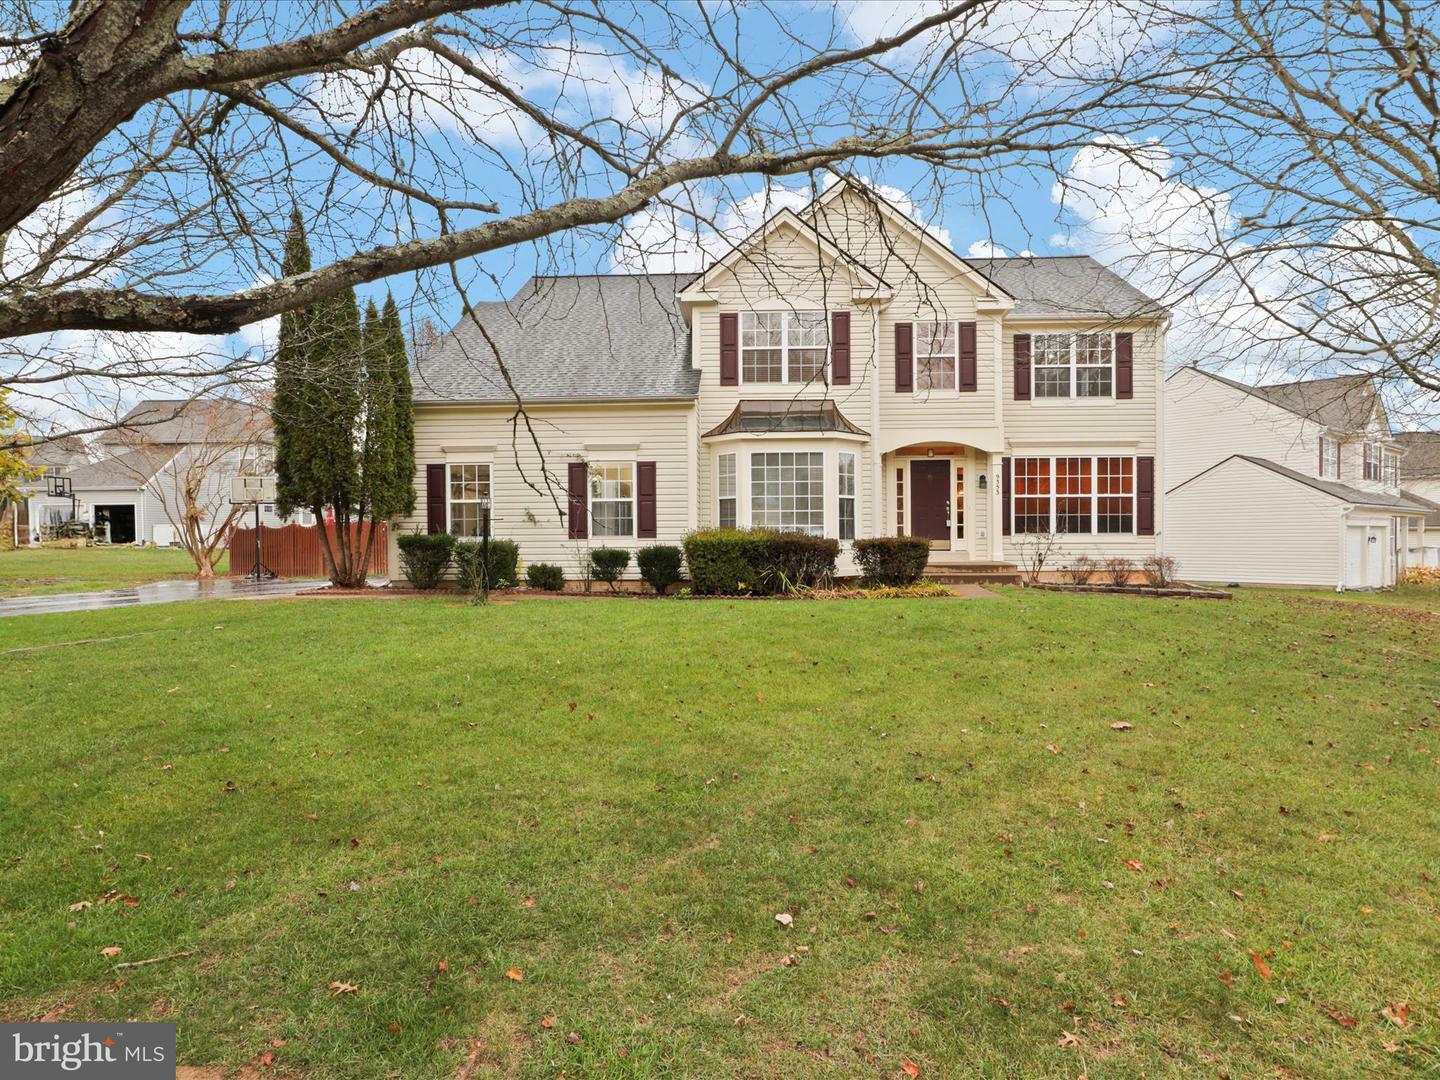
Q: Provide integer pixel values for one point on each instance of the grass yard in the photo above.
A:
(36, 571)
(367, 820)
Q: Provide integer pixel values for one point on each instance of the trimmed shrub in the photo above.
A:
(545, 576)
(892, 560)
(1160, 570)
(469, 558)
(733, 562)
(1118, 570)
(424, 557)
(659, 565)
(607, 564)
(1080, 569)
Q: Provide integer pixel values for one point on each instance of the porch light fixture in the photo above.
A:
(984, 481)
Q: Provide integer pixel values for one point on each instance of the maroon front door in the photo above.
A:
(930, 499)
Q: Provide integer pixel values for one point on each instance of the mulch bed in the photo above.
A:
(1179, 591)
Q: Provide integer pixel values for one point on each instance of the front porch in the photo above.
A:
(949, 493)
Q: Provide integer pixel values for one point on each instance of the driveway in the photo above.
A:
(161, 592)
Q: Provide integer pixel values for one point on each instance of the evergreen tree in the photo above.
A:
(403, 461)
(288, 408)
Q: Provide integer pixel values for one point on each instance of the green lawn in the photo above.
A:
(33, 571)
(615, 799)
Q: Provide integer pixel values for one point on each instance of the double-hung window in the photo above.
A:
(787, 491)
(1073, 495)
(783, 346)
(845, 485)
(725, 490)
(612, 500)
(1372, 461)
(469, 484)
(1391, 473)
(936, 356)
(1073, 365)
(1329, 458)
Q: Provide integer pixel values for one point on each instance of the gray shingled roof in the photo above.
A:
(1066, 285)
(1344, 403)
(611, 337)
(123, 471)
(1422, 455)
(186, 420)
(1340, 491)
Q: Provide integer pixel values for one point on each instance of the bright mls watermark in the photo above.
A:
(113, 1051)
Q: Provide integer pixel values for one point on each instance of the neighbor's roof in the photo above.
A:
(127, 471)
(65, 452)
(1066, 285)
(1343, 492)
(1422, 454)
(188, 420)
(606, 337)
(1343, 403)
(1432, 519)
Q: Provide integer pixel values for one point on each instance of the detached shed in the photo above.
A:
(1250, 521)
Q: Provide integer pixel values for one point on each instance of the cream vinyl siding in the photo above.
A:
(484, 434)
(1206, 421)
(1241, 522)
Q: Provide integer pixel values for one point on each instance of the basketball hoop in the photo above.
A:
(254, 491)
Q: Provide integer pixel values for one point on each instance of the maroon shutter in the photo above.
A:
(435, 498)
(1124, 366)
(1145, 496)
(645, 489)
(840, 348)
(579, 501)
(1321, 473)
(967, 356)
(1005, 496)
(904, 358)
(730, 350)
(1022, 367)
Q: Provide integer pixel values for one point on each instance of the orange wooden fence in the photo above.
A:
(294, 551)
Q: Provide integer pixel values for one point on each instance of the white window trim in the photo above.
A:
(1074, 368)
(853, 498)
(785, 380)
(1329, 448)
(734, 496)
(490, 480)
(590, 500)
(1094, 495)
(953, 356)
(1389, 462)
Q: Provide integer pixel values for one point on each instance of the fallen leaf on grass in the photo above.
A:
(444, 964)
(1068, 1039)
(784, 918)
(1227, 978)
(547, 1022)
(1121, 725)
(267, 1058)
(1396, 1013)
(1343, 1019)
(1261, 966)
(81, 905)
(111, 950)
(1135, 864)
(394, 1029)
(1052, 748)
(515, 974)
(343, 987)
(909, 1068)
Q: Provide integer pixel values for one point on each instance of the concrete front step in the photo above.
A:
(973, 573)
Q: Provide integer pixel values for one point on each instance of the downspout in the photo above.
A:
(1344, 548)
(877, 470)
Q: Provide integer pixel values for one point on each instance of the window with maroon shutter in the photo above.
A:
(1005, 496)
(730, 349)
(435, 499)
(645, 492)
(967, 357)
(840, 348)
(1124, 365)
(579, 485)
(1022, 367)
(904, 358)
(1145, 496)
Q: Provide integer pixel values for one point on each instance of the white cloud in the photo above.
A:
(986, 249)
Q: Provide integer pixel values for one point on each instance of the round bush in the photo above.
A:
(607, 564)
(424, 557)
(892, 560)
(545, 576)
(659, 566)
(469, 558)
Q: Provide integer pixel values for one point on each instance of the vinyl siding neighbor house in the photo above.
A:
(841, 372)
(1420, 475)
(1292, 484)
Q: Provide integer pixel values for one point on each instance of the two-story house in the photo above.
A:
(841, 372)
(1291, 484)
(1420, 476)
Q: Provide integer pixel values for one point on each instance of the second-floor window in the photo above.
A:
(1372, 461)
(936, 356)
(1329, 458)
(1073, 365)
(1392, 470)
(782, 346)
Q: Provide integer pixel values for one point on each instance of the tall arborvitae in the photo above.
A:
(378, 456)
(288, 408)
(403, 461)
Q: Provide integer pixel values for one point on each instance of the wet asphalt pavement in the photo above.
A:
(160, 592)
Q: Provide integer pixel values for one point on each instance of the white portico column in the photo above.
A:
(996, 502)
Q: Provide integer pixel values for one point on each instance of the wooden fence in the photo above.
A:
(294, 551)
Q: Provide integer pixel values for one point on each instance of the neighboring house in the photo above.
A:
(840, 372)
(1292, 484)
(54, 457)
(1420, 474)
(135, 492)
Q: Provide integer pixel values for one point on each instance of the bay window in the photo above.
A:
(725, 491)
(612, 500)
(936, 356)
(1072, 365)
(845, 485)
(468, 485)
(1073, 495)
(783, 346)
(787, 491)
